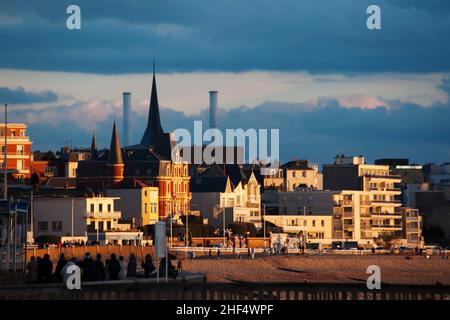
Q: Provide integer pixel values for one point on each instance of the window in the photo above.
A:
(145, 208)
(20, 150)
(322, 223)
(19, 164)
(314, 223)
(57, 226)
(92, 207)
(304, 174)
(43, 225)
(100, 207)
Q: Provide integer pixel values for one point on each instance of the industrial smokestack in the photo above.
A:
(126, 118)
(212, 109)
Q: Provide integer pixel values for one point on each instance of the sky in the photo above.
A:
(309, 68)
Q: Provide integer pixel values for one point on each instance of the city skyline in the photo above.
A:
(268, 75)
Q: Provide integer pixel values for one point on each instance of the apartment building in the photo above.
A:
(94, 217)
(18, 148)
(137, 201)
(317, 229)
(361, 216)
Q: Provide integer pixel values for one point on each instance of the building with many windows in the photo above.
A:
(138, 201)
(18, 148)
(226, 197)
(150, 161)
(81, 215)
(360, 216)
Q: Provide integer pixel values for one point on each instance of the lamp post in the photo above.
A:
(171, 229)
(264, 224)
(5, 161)
(187, 231)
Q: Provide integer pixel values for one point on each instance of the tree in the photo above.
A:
(244, 228)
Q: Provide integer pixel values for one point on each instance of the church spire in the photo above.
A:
(154, 128)
(115, 150)
(93, 146)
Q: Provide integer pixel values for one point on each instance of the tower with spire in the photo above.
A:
(94, 153)
(150, 162)
(154, 137)
(115, 165)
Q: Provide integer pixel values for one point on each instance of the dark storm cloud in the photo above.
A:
(225, 35)
(316, 132)
(20, 96)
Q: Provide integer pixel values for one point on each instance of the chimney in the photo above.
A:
(212, 109)
(126, 118)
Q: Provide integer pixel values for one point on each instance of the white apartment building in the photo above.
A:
(90, 216)
(362, 216)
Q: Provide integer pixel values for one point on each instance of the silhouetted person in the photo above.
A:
(172, 272)
(148, 266)
(44, 269)
(100, 266)
(132, 266)
(113, 268)
(59, 266)
(32, 270)
(179, 265)
(90, 271)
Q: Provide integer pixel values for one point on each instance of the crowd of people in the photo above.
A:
(40, 270)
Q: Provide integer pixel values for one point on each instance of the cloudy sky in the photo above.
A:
(310, 68)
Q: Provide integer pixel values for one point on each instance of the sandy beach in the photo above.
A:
(323, 269)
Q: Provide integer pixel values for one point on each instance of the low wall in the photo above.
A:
(104, 250)
(251, 242)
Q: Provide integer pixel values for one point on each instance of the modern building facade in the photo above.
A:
(359, 216)
(94, 217)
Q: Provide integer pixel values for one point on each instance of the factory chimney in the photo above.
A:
(212, 109)
(126, 118)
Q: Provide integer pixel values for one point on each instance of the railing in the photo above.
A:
(14, 137)
(25, 154)
(387, 226)
(107, 215)
(142, 290)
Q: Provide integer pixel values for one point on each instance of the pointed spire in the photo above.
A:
(93, 146)
(154, 129)
(115, 150)
(94, 142)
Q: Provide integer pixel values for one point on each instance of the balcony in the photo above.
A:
(387, 201)
(15, 137)
(15, 154)
(388, 226)
(102, 215)
(389, 176)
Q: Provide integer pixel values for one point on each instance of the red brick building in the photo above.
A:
(18, 148)
(149, 161)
